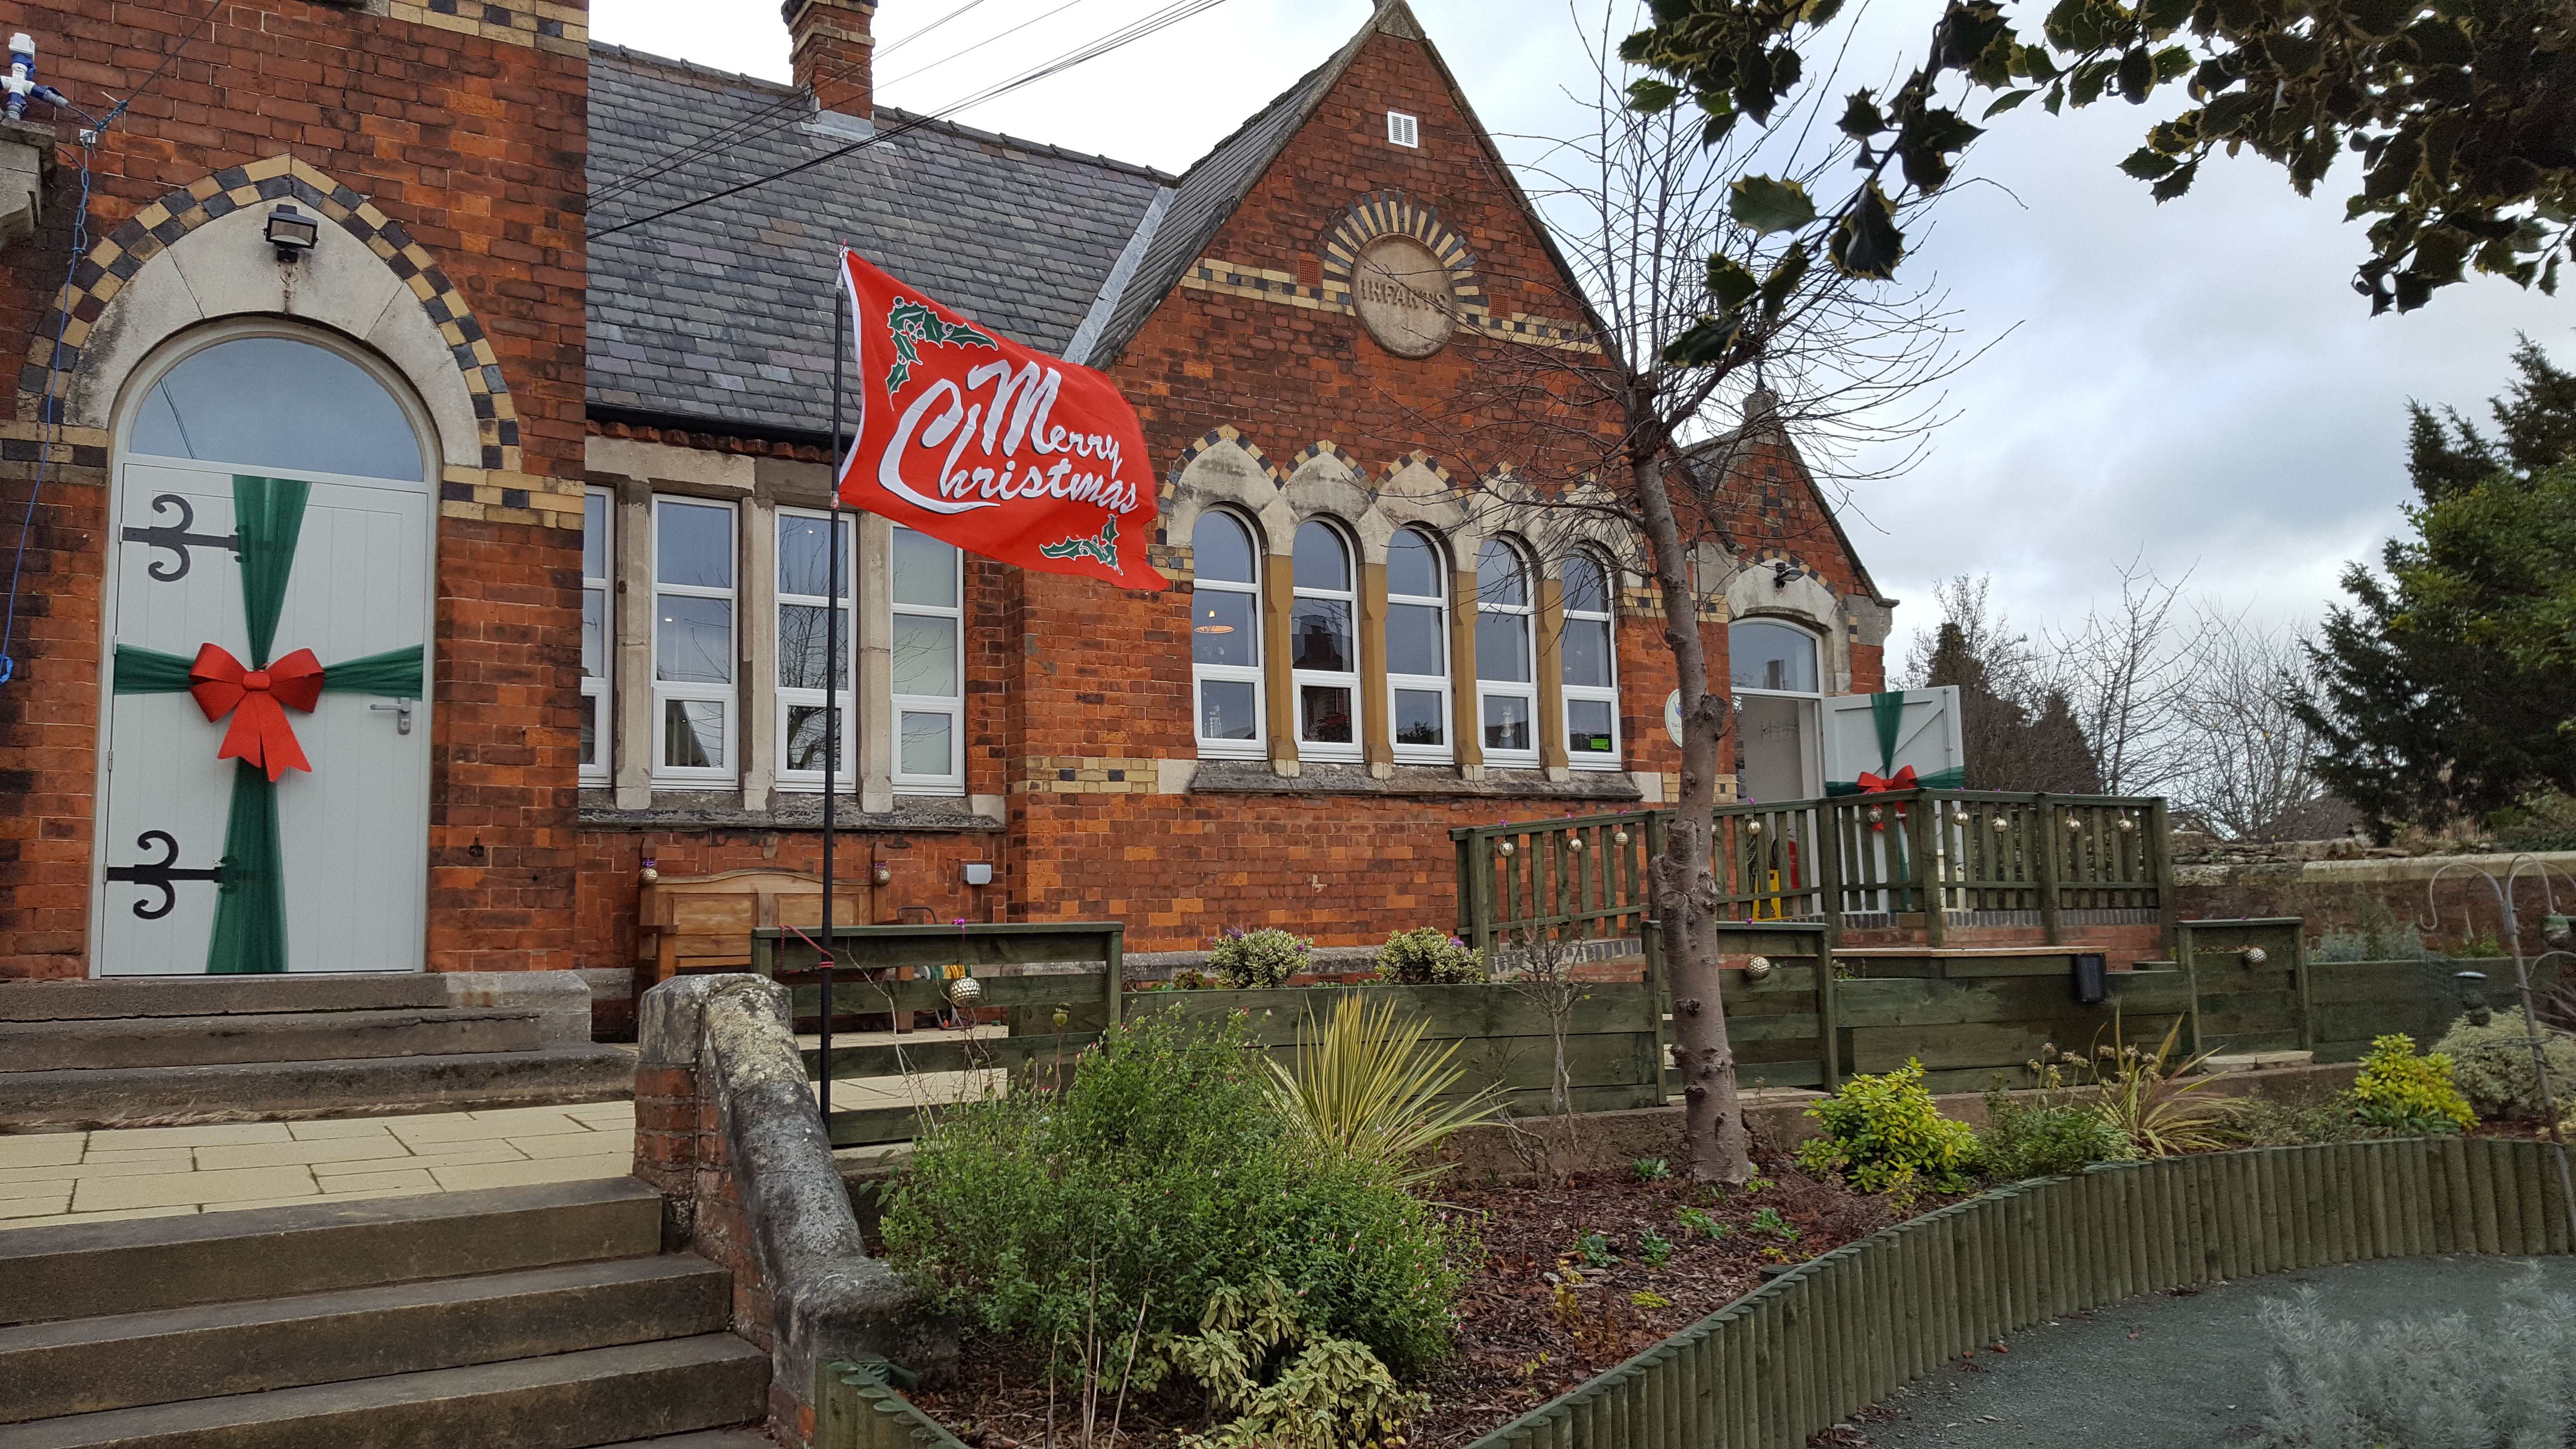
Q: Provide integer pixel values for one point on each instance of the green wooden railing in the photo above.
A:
(1846, 1329)
(1913, 856)
(899, 970)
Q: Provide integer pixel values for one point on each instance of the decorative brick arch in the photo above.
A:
(1388, 213)
(122, 253)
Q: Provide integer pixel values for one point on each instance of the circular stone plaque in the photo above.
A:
(1403, 294)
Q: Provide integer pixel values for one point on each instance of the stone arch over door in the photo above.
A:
(197, 255)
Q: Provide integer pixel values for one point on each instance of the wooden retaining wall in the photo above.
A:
(1846, 1329)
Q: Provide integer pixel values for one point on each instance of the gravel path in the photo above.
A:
(2165, 1370)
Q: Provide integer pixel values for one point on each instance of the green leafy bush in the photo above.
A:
(2266, 1123)
(2424, 1381)
(1652, 1169)
(1429, 956)
(2491, 1062)
(1256, 960)
(2037, 1139)
(1161, 1186)
(1885, 1134)
(1653, 1248)
(2401, 1092)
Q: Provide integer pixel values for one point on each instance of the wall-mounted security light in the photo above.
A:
(1781, 573)
(979, 872)
(292, 232)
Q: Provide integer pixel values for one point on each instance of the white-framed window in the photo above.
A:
(1779, 697)
(1417, 647)
(1589, 653)
(693, 641)
(806, 603)
(927, 592)
(1323, 650)
(1402, 129)
(1506, 661)
(1225, 636)
(598, 555)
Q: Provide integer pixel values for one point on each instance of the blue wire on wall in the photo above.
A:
(49, 413)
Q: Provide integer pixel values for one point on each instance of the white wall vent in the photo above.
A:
(1403, 130)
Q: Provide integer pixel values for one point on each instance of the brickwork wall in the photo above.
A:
(468, 135)
(1076, 691)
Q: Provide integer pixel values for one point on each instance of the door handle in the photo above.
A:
(401, 711)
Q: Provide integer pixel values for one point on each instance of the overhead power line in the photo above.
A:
(790, 107)
(1163, 19)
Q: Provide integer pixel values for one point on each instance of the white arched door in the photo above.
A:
(265, 721)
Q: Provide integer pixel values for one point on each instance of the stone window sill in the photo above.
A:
(722, 810)
(1255, 777)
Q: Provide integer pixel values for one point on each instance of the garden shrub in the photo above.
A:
(1884, 1134)
(1256, 960)
(2037, 1139)
(2266, 1123)
(2424, 1382)
(2491, 1062)
(1161, 1182)
(2412, 1095)
(1429, 956)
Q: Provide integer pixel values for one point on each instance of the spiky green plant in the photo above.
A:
(1366, 1088)
(2160, 1103)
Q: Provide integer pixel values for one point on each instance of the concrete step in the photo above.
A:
(89, 1365)
(94, 1097)
(218, 995)
(144, 1265)
(563, 1401)
(283, 1036)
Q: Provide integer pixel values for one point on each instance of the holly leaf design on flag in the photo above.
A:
(1102, 546)
(914, 323)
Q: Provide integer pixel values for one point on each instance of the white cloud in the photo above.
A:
(2195, 381)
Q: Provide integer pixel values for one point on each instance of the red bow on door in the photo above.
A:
(255, 698)
(1902, 780)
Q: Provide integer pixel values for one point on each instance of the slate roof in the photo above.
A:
(723, 313)
(1209, 192)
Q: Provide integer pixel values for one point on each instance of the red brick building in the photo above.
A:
(608, 552)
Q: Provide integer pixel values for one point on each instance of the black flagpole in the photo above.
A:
(833, 677)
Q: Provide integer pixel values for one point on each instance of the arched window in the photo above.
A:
(1506, 664)
(1323, 656)
(1417, 646)
(1589, 650)
(1225, 635)
(275, 402)
(1778, 700)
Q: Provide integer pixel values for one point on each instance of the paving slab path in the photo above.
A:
(51, 1178)
(2167, 1370)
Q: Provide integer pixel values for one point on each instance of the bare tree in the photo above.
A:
(1708, 293)
(2015, 726)
(2123, 672)
(2246, 755)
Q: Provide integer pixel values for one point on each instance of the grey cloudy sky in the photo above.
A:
(2195, 382)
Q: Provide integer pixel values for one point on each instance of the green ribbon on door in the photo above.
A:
(1886, 713)
(250, 902)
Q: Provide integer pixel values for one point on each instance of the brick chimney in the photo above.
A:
(830, 50)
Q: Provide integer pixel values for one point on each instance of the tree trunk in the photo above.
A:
(1685, 883)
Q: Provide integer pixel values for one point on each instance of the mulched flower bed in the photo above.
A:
(1537, 1318)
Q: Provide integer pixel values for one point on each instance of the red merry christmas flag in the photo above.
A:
(992, 446)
